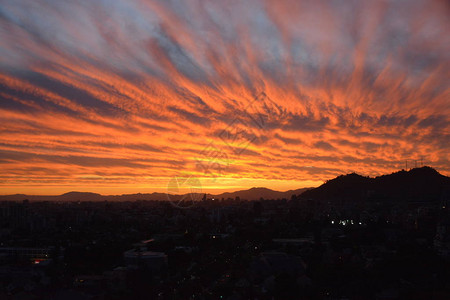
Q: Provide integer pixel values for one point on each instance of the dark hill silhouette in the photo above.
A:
(417, 185)
(250, 194)
(78, 196)
(257, 193)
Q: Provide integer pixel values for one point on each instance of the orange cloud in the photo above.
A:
(122, 96)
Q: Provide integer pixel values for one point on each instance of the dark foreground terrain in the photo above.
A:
(352, 238)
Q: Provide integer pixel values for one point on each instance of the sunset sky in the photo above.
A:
(120, 97)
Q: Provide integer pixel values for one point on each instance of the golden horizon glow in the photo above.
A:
(119, 97)
(107, 190)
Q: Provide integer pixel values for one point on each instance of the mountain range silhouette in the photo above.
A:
(423, 184)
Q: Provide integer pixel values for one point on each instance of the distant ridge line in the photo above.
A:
(408, 182)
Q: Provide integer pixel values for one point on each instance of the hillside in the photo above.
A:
(258, 193)
(416, 185)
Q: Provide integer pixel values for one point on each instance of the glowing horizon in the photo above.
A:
(118, 97)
